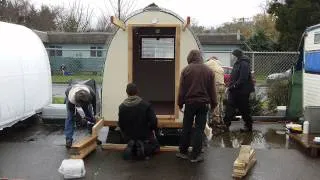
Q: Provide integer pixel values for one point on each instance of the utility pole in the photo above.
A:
(119, 10)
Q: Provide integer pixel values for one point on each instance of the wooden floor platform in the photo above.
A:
(121, 147)
(306, 140)
(162, 123)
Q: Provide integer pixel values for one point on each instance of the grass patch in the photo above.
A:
(59, 79)
(57, 100)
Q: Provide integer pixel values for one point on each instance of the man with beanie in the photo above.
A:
(79, 96)
(138, 125)
(241, 86)
(196, 91)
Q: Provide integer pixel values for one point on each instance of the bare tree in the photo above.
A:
(25, 13)
(104, 24)
(119, 8)
(76, 18)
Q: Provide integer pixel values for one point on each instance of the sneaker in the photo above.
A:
(182, 155)
(68, 143)
(197, 159)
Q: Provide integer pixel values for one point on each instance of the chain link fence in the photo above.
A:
(267, 66)
(82, 64)
(76, 64)
(69, 64)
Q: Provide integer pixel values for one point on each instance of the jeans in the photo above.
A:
(197, 113)
(71, 117)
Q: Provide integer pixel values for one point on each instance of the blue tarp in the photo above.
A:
(312, 62)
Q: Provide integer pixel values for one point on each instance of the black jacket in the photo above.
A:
(241, 78)
(137, 119)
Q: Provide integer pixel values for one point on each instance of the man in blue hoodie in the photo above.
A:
(241, 86)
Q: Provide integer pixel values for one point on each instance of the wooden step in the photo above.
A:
(121, 147)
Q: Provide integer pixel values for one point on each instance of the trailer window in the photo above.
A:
(157, 48)
(317, 38)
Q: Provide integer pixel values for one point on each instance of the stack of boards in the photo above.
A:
(245, 160)
(85, 146)
(81, 149)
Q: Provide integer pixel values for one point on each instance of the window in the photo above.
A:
(55, 51)
(95, 52)
(157, 48)
(317, 38)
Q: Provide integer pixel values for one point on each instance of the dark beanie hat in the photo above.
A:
(237, 53)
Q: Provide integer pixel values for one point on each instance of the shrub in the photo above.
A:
(278, 94)
(256, 105)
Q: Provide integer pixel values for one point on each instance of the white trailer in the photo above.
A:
(25, 76)
(311, 70)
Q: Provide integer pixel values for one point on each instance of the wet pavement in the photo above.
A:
(32, 150)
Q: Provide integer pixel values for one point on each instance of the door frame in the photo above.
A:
(177, 62)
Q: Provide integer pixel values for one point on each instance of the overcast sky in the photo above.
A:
(206, 12)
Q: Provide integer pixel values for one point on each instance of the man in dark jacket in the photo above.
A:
(138, 124)
(241, 86)
(79, 96)
(196, 92)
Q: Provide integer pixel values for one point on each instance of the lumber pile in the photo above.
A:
(84, 147)
(244, 162)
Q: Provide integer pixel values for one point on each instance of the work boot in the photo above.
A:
(68, 143)
(199, 158)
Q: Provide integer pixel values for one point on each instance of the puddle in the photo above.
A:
(263, 138)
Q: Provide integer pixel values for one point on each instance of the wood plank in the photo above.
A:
(306, 140)
(96, 128)
(241, 174)
(154, 25)
(166, 117)
(244, 161)
(130, 54)
(117, 22)
(87, 141)
(84, 152)
(177, 71)
(186, 24)
(161, 123)
(121, 147)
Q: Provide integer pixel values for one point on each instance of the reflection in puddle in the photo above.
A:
(272, 138)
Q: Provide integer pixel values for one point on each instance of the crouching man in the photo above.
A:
(79, 96)
(138, 124)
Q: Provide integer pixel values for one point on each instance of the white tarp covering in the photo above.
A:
(25, 76)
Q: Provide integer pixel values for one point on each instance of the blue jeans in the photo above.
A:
(71, 117)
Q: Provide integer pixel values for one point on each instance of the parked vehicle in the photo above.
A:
(227, 74)
(278, 76)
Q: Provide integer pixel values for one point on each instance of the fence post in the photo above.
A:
(252, 62)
